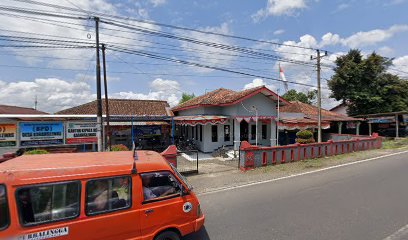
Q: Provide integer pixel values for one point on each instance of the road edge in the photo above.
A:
(223, 189)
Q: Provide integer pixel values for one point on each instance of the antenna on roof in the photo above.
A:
(134, 170)
(35, 102)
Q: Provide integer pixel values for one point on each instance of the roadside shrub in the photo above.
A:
(304, 134)
(304, 137)
(36, 151)
(305, 141)
(119, 147)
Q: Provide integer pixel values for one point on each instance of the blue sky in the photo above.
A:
(65, 78)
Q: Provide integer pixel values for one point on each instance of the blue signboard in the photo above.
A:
(140, 131)
(381, 120)
(41, 133)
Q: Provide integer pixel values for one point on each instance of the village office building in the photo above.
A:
(225, 117)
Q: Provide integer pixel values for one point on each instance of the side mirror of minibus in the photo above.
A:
(184, 191)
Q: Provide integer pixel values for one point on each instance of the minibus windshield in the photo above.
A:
(181, 177)
(4, 216)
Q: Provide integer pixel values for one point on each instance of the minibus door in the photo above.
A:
(164, 211)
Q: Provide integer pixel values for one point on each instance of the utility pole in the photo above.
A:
(108, 137)
(278, 115)
(319, 96)
(99, 123)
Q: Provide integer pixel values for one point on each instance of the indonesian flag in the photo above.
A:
(282, 75)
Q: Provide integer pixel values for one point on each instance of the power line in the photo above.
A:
(141, 53)
(221, 46)
(160, 24)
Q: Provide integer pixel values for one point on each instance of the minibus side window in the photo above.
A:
(159, 185)
(4, 211)
(48, 203)
(108, 194)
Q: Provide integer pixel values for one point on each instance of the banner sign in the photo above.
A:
(147, 131)
(41, 133)
(80, 132)
(8, 135)
(351, 125)
(382, 120)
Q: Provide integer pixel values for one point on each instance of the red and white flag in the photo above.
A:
(282, 75)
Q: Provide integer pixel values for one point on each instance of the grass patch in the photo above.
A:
(313, 163)
(396, 143)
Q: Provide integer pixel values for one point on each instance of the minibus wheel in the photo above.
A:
(167, 235)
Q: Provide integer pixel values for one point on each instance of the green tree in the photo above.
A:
(185, 97)
(293, 95)
(366, 86)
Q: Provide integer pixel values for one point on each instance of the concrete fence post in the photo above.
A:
(298, 148)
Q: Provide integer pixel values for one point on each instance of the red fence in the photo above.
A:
(253, 156)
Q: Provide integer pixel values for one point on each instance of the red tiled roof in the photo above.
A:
(123, 107)
(312, 112)
(224, 97)
(6, 109)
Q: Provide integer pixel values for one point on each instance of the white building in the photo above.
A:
(224, 118)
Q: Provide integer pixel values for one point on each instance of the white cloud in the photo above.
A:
(278, 8)
(257, 82)
(373, 37)
(401, 64)
(209, 55)
(167, 90)
(55, 94)
(52, 94)
(386, 51)
(279, 32)
(67, 31)
(330, 39)
(92, 78)
(157, 3)
(341, 7)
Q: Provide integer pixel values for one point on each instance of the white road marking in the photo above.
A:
(401, 234)
(296, 175)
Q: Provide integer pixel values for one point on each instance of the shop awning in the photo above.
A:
(200, 120)
(292, 124)
(253, 118)
(138, 123)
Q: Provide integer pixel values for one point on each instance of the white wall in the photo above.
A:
(265, 107)
(208, 144)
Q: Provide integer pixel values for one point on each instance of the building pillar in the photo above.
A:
(358, 128)
(370, 129)
(273, 133)
(340, 126)
(237, 134)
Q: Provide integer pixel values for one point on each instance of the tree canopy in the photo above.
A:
(293, 95)
(185, 97)
(366, 86)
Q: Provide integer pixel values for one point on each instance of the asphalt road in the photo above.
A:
(362, 201)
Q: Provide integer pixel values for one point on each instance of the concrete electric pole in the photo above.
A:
(319, 95)
(99, 123)
(105, 82)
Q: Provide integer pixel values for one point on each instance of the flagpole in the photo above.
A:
(277, 122)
